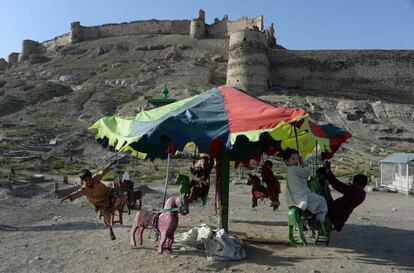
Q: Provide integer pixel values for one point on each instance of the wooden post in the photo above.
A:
(222, 189)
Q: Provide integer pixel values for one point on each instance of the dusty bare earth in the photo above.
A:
(379, 236)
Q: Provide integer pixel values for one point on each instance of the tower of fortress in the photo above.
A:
(248, 66)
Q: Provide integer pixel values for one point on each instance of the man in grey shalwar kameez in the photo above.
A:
(297, 191)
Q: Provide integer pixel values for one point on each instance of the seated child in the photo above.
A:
(297, 191)
(353, 195)
(272, 184)
(258, 191)
(200, 184)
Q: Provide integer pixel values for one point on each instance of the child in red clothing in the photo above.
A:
(258, 191)
(272, 184)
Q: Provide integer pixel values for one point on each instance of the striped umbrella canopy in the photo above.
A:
(328, 136)
(245, 124)
(309, 134)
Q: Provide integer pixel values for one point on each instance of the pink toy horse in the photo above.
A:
(166, 222)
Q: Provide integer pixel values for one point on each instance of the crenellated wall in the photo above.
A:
(81, 33)
(196, 28)
(245, 23)
(224, 28)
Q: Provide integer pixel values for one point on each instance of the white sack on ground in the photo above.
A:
(218, 244)
(225, 247)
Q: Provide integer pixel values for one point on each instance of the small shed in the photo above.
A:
(397, 172)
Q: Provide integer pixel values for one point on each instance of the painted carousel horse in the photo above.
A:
(305, 220)
(258, 190)
(165, 222)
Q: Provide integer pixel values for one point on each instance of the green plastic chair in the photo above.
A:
(294, 220)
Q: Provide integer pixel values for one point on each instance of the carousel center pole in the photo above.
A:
(222, 189)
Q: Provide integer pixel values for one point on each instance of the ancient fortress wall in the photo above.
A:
(254, 64)
(225, 27)
(245, 23)
(255, 67)
(60, 40)
(81, 33)
(367, 70)
(196, 28)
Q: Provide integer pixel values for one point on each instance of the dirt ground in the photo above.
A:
(39, 235)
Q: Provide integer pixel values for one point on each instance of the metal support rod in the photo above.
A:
(166, 180)
(297, 141)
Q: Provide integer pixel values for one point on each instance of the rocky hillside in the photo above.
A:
(58, 97)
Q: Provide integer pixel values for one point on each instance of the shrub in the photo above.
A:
(57, 164)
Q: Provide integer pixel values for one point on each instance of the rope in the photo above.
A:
(181, 205)
(169, 210)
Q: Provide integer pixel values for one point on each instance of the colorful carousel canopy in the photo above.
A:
(246, 125)
(329, 137)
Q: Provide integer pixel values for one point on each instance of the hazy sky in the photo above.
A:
(299, 24)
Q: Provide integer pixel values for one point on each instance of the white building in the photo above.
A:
(397, 172)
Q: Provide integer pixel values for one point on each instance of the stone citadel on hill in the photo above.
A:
(255, 62)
